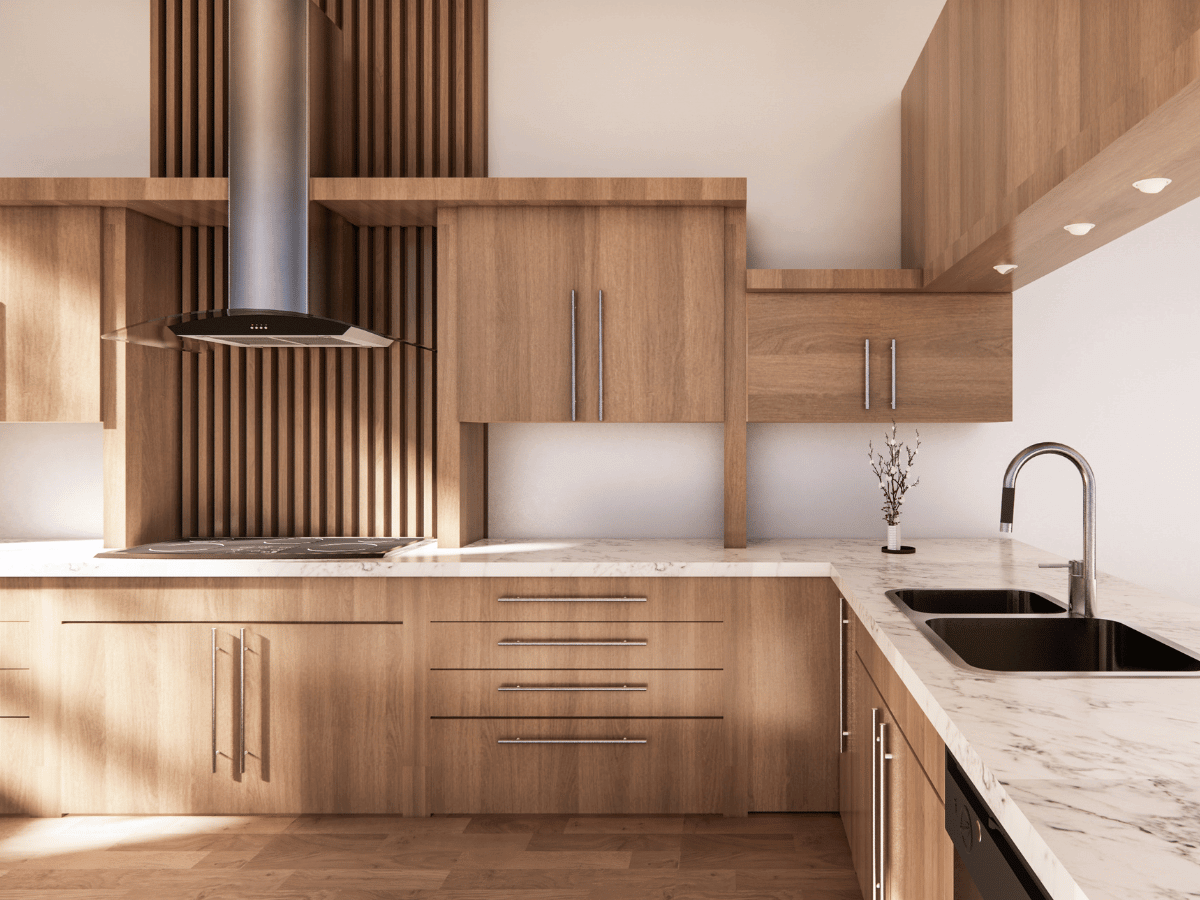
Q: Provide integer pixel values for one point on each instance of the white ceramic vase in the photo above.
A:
(893, 537)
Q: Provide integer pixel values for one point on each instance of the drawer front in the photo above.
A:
(14, 645)
(581, 599)
(14, 692)
(576, 645)
(679, 769)
(567, 692)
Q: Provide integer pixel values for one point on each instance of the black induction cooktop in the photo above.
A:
(268, 548)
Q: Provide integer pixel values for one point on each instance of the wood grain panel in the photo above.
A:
(19, 737)
(679, 770)
(1012, 104)
(735, 379)
(50, 291)
(15, 693)
(830, 280)
(14, 645)
(321, 441)
(656, 693)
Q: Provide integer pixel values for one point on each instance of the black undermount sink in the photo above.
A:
(1058, 645)
(974, 602)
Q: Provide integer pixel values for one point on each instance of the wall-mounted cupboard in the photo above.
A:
(849, 357)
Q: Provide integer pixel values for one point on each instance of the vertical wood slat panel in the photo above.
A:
(323, 441)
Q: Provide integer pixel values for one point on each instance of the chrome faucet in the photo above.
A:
(1082, 577)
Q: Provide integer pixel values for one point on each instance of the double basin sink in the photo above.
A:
(1023, 632)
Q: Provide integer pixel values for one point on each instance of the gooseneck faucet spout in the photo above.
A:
(1082, 590)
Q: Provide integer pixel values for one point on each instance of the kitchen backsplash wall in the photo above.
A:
(324, 441)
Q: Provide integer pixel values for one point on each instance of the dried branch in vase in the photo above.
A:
(892, 471)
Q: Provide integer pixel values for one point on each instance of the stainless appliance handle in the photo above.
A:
(842, 623)
(875, 879)
(572, 599)
(519, 687)
(867, 374)
(893, 374)
(214, 701)
(242, 698)
(601, 409)
(573, 393)
(574, 741)
(570, 643)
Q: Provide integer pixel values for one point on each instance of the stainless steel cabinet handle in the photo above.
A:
(570, 643)
(867, 374)
(214, 700)
(893, 374)
(882, 756)
(842, 623)
(521, 687)
(572, 599)
(574, 741)
(876, 880)
(573, 356)
(242, 698)
(602, 356)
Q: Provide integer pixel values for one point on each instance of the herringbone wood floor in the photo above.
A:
(768, 857)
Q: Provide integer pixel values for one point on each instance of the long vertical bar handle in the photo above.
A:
(884, 756)
(867, 374)
(214, 700)
(875, 773)
(242, 699)
(842, 732)
(573, 394)
(893, 374)
(601, 356)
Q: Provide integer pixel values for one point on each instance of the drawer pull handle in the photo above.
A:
(575, 741)
(572, 599)
(570, 643)
(565, 687)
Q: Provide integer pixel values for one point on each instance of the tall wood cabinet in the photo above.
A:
(590, 314)
(173, 717)
(849, 357)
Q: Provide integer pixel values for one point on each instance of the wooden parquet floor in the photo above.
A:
(767, 857)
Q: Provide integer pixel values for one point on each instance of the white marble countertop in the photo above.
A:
(1097, 780)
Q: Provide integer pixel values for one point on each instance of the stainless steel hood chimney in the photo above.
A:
(275, 298)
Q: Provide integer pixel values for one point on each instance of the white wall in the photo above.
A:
(74, 101)
(802, 98)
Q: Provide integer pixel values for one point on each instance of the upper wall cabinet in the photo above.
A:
(50, 287)
(611, 314)
(879, 357)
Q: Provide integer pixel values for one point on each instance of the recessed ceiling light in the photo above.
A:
(1004, 268)
(1151, 185)
(1080, 227)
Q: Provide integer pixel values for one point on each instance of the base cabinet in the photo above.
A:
(893, 814)
(230, 718)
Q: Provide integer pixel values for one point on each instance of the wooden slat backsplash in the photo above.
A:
(323, 442)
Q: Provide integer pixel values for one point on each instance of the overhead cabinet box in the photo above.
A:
(879, 357)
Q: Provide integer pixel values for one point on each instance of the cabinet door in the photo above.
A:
(151, 710)
(662, 272)
(953, 357)
(516, 271)
(811, 357)
(807, 357)
(858, 792)
(321, 706)
(148, 712)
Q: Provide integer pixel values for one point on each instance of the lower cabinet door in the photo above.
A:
(220, 718)
(577, 766)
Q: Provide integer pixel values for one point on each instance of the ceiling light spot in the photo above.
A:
(1080, 227)
(1004, 268)
(1151, 185)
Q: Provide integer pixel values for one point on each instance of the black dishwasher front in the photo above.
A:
(996, 867)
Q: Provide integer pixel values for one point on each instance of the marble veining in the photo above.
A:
(1097, 780)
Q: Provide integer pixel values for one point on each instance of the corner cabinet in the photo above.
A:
(590, 314)
(853, 357)
(254, 718)
(892, 781)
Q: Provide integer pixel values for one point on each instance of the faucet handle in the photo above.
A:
(1075, 565)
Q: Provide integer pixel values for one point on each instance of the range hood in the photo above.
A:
(271, 221)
